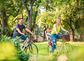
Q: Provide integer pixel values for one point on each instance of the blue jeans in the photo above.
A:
(53, 38)
(23, 37)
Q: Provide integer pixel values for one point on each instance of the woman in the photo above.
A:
(54, 34)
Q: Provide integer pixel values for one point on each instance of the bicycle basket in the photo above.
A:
(65, 37)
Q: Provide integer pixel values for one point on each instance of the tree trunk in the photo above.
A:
(25, 8)
(2, 30)
(4, 23)
(72, 35)
(81, 38)
(30, 18)
(19, 9)
(72, 39)
(72, 29)
(29, 14)
(83, 33)
(34, 21)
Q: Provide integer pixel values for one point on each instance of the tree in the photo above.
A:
(7, 9)
(71, 14)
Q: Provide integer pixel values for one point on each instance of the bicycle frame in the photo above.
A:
(25, 42)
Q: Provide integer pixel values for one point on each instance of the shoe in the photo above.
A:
(50, 43)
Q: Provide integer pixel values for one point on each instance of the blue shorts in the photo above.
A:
(23, 37)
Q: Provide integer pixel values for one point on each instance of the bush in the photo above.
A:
(11, 50)
(23, 56)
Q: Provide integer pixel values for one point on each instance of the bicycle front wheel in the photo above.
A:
(32, 50)
(67, 48)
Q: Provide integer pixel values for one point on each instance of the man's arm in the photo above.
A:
(64, 29)
(28, 31)
(19, 31)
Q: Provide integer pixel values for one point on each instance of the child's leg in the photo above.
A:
(50, 42)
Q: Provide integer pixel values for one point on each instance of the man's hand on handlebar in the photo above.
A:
(22, 33)
(32, 33)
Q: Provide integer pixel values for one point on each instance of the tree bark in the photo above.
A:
(29, 14)
(83, 33)
(30, 18)
(25, 8)
(19, 9)
(34, 21)
(81, 38)
(72, 29)
(35, 17)
(2, 30)
(72, 35)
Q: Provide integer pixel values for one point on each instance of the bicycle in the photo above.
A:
(64, 47)
(29, 47)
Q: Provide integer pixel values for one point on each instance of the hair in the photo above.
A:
(48, 28)
(20, 18)
(59, 18)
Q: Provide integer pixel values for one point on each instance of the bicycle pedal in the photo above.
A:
(25, 47)
(31, 51)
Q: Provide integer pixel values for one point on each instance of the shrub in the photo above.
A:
(11, 51)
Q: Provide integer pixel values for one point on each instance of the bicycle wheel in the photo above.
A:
(49, 49)
(67, 48)
(32, 50)
(57, 50)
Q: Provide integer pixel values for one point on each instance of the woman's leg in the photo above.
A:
(53, 38)
(59, 36)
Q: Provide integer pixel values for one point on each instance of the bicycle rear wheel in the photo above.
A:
(32, 50)
(49, 49)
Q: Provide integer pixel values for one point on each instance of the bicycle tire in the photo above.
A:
(32, 49)
(49, 49)
(56, 51)
(67, 48)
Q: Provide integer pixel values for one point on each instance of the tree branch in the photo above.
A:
(25, 8)
(19, 9)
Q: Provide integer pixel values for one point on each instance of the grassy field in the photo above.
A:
(76, 55)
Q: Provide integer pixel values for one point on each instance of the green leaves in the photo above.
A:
(23, 56)
(10, 52)
(5, 38)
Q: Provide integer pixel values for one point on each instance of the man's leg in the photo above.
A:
(23, 37)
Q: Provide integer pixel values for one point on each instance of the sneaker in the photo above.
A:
(50, 43)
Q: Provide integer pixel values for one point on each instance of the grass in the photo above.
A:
(75, 55)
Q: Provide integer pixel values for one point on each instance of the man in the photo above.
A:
(19, 28)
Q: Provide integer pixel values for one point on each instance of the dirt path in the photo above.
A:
(48, 58)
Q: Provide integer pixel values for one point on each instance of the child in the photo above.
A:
(48, 32)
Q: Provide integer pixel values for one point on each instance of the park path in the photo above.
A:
(48, 58)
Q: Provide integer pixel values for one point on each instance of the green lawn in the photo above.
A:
(76, 55)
